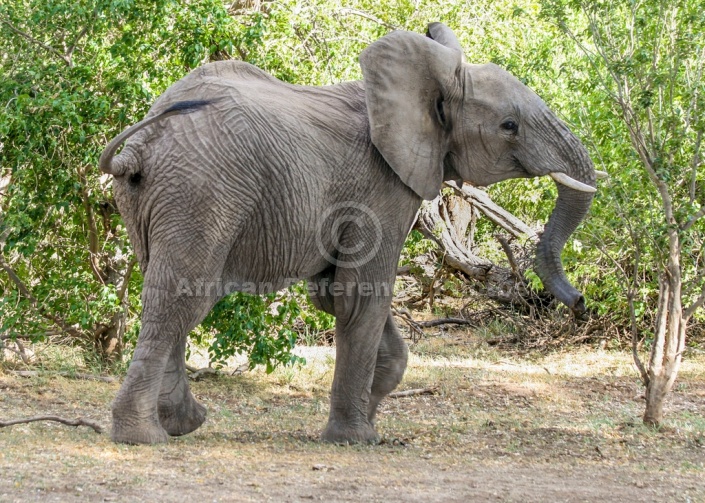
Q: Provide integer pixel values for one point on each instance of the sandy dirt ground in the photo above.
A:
(563, 427)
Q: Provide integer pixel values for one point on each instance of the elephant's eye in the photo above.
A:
(440, 112)
(510, 126)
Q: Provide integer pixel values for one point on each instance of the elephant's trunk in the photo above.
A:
(571, 207)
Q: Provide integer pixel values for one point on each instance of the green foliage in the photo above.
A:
(265, 327)
(74, 74)
(262, 326)
(639, 70)
(416, 244)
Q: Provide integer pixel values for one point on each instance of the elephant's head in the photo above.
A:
(434, 118)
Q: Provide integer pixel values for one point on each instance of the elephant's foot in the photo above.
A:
(338, 433)
(148, 433)
(181, 418)
(372, 409)
(134, 420)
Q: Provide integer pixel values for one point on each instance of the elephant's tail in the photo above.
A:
(117, 166)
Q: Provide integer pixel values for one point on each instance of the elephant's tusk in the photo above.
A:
(601, 174)
(564, 179)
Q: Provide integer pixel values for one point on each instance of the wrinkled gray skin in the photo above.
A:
(248, 179)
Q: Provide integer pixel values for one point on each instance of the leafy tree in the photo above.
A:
(645, 62)
(73, 75)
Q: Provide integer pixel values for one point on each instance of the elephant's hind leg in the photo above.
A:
(179, 412)
(167, 317)
(392, 357)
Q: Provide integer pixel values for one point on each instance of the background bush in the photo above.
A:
(75, 73)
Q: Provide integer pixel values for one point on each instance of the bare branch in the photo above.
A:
(697, 216)
(126, 279)
(19, 351)
(356, 12)
(44, 46)
(70, 422)
(635, 341)
(510, 255)
(16, 279)
(24, 291)
(72, 47)
(413, 392)
(694, 164)
(699, 302)
(413, 325)
(445, 321)
(93, 247)
(482, 201)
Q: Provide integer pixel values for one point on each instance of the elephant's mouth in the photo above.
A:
(449, 170)
(519, 167)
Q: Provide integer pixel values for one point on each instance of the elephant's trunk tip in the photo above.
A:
(579, 308)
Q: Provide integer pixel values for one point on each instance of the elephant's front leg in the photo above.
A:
(356, 352)
(359, 324)
(179, 412)
(392, 352)
(392, 357)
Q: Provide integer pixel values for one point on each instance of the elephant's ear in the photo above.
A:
(444, 36)
(407, 79)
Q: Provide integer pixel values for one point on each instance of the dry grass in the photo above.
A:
(558, 427)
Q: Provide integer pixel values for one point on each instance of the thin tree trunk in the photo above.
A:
(109, 339)
(669, 337)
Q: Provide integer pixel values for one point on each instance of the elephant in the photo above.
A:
(237, 178)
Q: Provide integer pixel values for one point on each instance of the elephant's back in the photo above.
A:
(260, 166)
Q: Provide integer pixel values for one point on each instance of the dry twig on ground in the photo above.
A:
(70, 375)
(413, 392)
(70, 422)
(414, 327)
(445, 321)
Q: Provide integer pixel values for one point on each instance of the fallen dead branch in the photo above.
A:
(482, 201)
(500, 284)
(432, 219)
(414, 327)
(445, 321)
(69, 422)
(70, 375)
(197, 373)
(413, 392)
